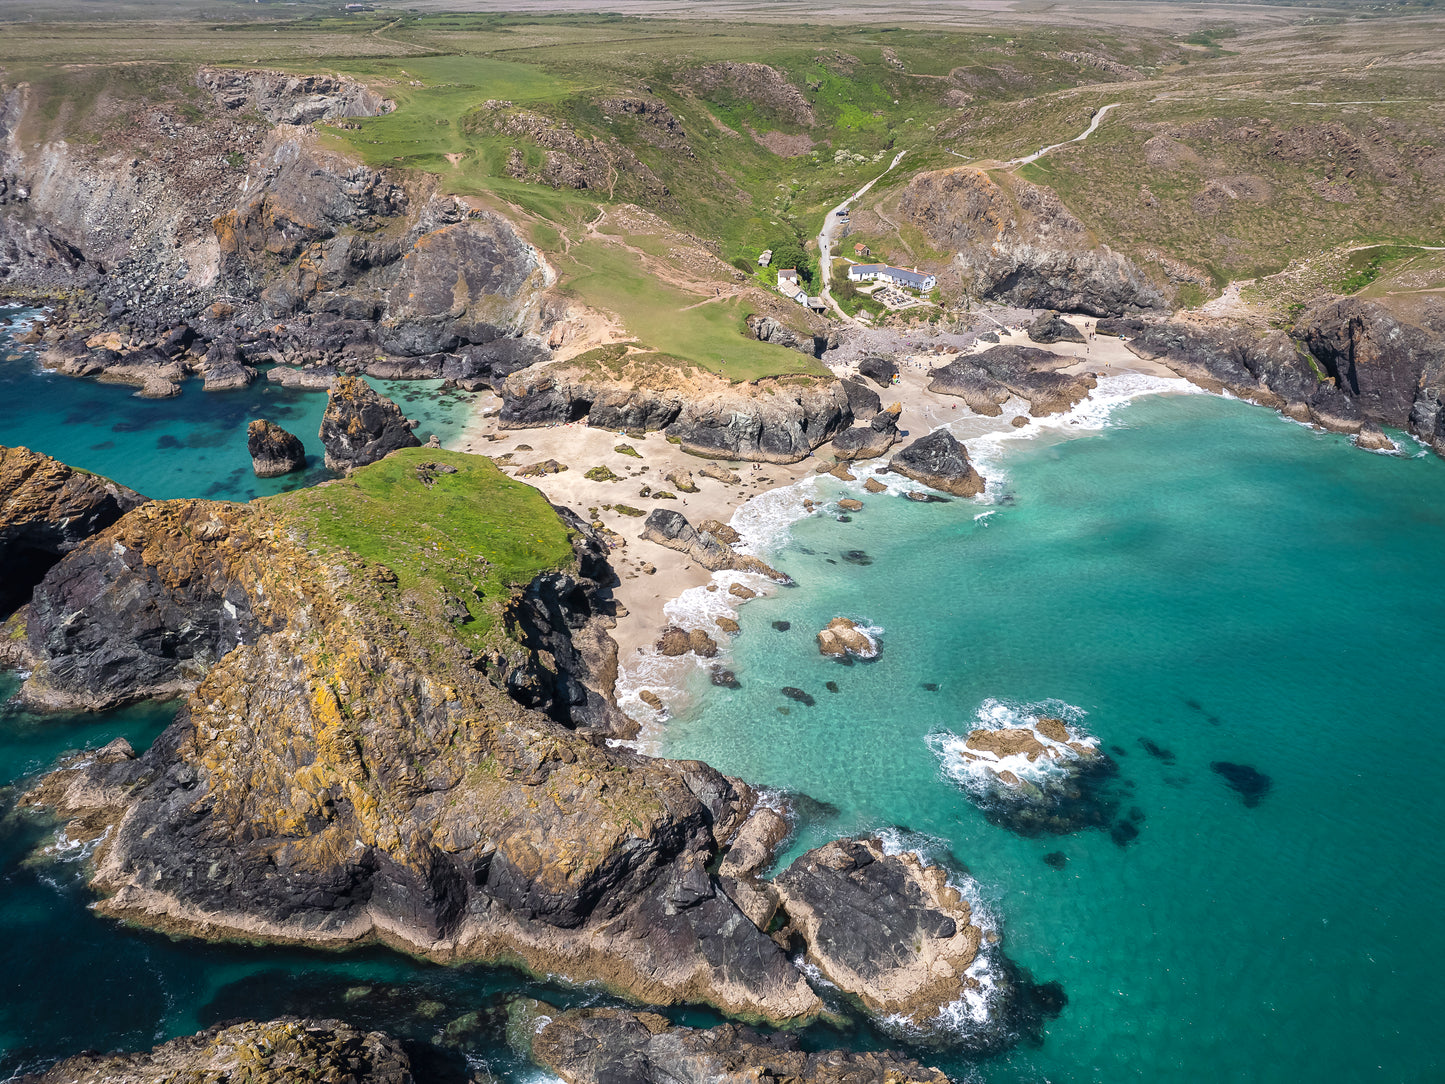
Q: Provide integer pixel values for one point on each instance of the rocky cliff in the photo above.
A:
(1347, 364)
(223, 234)
(598, 1046)
(361, 426)
(48, 509)
(988, 379)
(1016, 242)
(274, 1052)
(775, 420)
(351, 762)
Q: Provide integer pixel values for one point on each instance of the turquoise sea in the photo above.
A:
(1204, 581)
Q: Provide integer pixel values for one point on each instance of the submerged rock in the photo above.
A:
(1250, 784)
(273, 450)
(48, 509)
(276, 1051)
(938, 460)
(1034, 774)
(618, 1046)
(361, 426)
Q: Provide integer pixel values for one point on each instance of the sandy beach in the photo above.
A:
(642, 594)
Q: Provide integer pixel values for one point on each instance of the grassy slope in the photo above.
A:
(473, 536)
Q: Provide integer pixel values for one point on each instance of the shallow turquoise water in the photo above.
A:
(1227, 585)
(1204, 575)
(193, 445)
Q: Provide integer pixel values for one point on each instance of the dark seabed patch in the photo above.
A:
(930, 686)
(831, 686)
(724, 679)
(794, 693)
(782, 626)
(1126, 830)
(165, 440)
(1158, 752)
(1056, 859)
(1251, 784)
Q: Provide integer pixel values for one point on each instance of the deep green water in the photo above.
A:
(1204, 575)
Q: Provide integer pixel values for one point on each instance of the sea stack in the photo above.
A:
(273, 450)
(940, 462)
(360, 426)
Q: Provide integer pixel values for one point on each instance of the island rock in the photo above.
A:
(361, 426)
(938, 460)
(843, 637)
(273, 450)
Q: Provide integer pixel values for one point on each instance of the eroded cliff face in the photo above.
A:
(775, 420)
(1020, 244)
(229, 218)
(354, 761)
(1348, 365)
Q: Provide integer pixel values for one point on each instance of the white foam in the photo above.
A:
(978, 770)
(976, 1010)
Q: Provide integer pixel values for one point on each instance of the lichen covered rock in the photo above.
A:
(273, 450)
(361, 426)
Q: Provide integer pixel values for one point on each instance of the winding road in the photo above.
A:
(830, 227)
(1085, 134)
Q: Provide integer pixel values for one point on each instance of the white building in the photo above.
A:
(894, 276)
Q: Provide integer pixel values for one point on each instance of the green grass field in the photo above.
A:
(466, 539)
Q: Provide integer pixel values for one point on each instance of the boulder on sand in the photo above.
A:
(879, 370)
(671, 529)
(871, 440)
(273, 450)
(360, 426)
(938, 460)
(1050, 327)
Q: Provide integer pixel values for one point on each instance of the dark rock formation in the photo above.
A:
(987, 380)
(1017, 242)
(782, 427)
(769, 330)
(1249, 783)
(361, 426)
(879, 370)
(939, 461)
(349, 768)
(884, 928)
(615, 1046)
(671, 529)
(46, 510)
(273, 450)
(275, 1052)
(863, 401)
(292, 99)
(1050, 327)
(868, 441)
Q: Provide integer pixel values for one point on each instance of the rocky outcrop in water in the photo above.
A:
(274, 1052)
(613, 1046)
(871, 440)
(939, 461)
(887, 929)
(361, 426)
(352, 764)
(671, 529)
(987, 380)
(1020, 244)
(1037, 776)
(843, 637)
(48, 509)
(273, 450)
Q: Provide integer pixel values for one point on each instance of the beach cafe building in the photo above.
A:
(896, 276)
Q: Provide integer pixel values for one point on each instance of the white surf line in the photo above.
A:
(825, 238)
(1085, 134)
